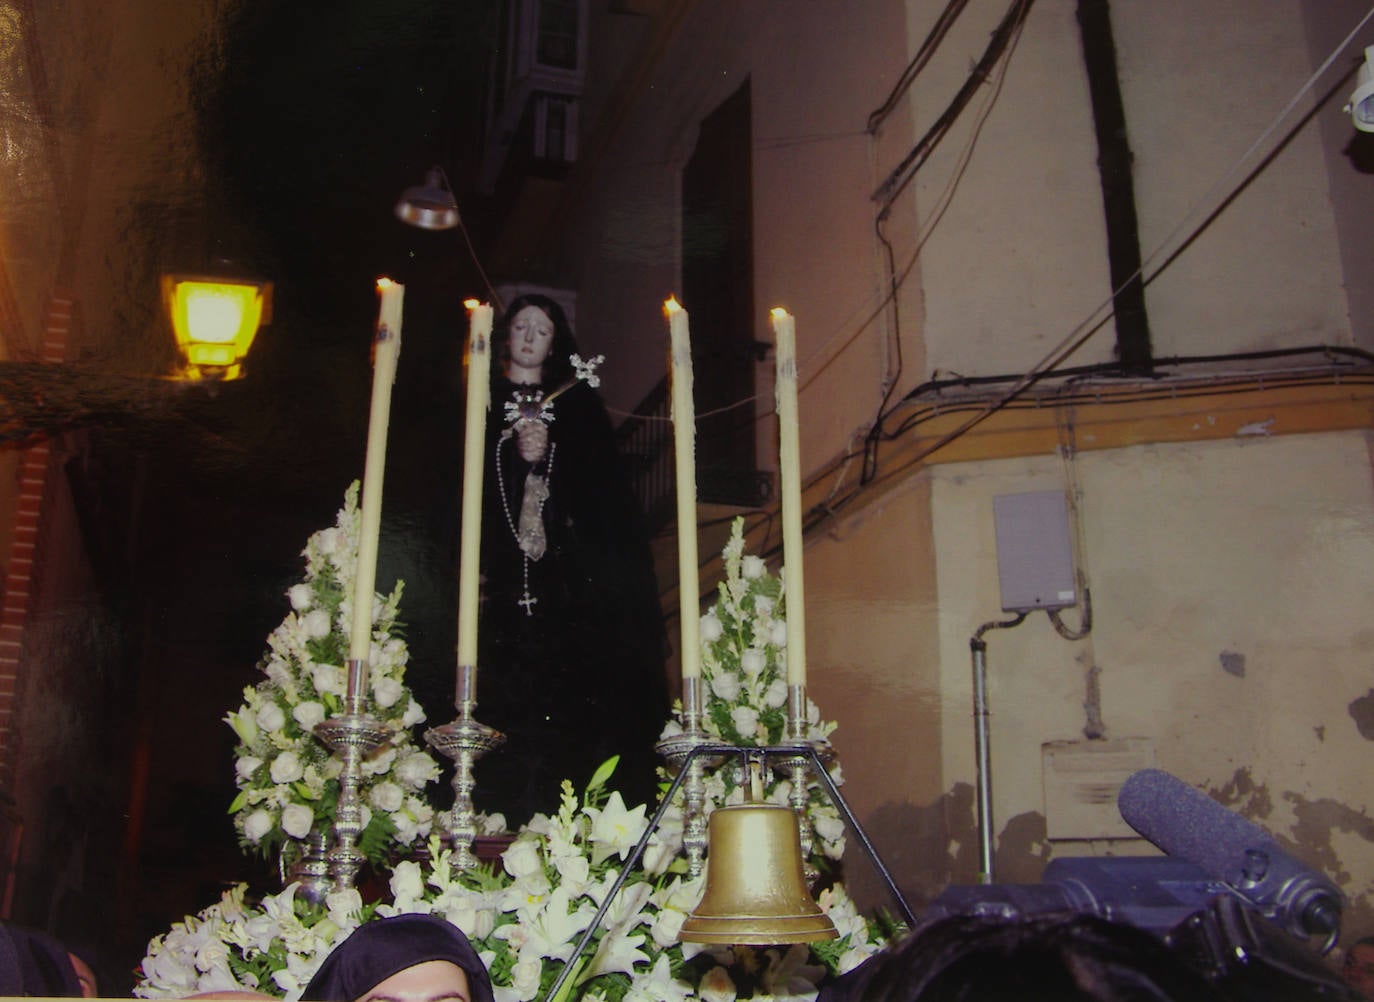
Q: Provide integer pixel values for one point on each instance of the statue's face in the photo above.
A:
(531, 339)
(432, 981)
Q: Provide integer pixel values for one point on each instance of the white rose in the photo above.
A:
(387, 797)
(286, 768)
(296, 820)
(302, 597)
(726, 685)
(270, 717)
(751, 567)
(308, 714)
(776, 694)
(751, 662)
(407, 882)
(416, 769)
(386, 691)
(256, 825)
(328, 679)
(414, 714)
(710, 628)
(745, 719)
(246, 766)
(316, 623)
(777, 633)
(763, 605)
(521, 858)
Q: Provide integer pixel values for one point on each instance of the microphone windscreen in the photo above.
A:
(1188, 824)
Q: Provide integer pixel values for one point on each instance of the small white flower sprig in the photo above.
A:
(287, 779)
(744, 687)
(273, 945)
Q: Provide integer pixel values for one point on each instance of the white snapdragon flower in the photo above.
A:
(278, 672)
(316, 624)
(286, 768)
(256, 825)
(301, 596)
(296, 820)
(308, 714)
(331, 541)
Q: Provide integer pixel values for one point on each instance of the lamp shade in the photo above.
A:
(215, 321)
(430, 206)
(1361, 106)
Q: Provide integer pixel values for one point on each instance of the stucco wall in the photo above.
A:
(1229, 586)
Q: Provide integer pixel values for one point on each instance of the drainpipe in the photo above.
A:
(981, 751)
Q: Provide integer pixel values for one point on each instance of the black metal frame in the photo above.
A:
(747, 753)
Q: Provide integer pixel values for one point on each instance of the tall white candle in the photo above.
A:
(474, 461)
(684, 444)
(789, 470)
(388, 349)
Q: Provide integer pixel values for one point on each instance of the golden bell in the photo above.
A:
(755, 889)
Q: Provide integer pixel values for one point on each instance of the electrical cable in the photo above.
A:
(918, 62)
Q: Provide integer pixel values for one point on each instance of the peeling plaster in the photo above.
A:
(1311, 838)
(1362, 712)
(1244, 796)
(1023, 849)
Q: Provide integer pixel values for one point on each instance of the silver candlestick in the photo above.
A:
(677, 749)
(465, 740)
(352, 735)
(798, 767)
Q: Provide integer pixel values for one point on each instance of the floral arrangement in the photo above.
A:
(287, 779)
(744, 687)
(525, 919)
(527, 916)
(273, 945)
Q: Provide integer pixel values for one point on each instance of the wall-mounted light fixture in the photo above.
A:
(215, 320)
(432, 206)
(1361, 106)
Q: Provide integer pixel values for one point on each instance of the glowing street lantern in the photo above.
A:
(215, 321)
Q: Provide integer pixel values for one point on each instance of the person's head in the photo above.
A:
(34, 963)
(1357, 970)
(405, 958)
(534, 332)
(1063, 958)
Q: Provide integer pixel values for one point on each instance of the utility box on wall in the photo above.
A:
(1034, 551)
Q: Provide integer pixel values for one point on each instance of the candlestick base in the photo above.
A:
(352, 736)
(464, 740)
(678, 750)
